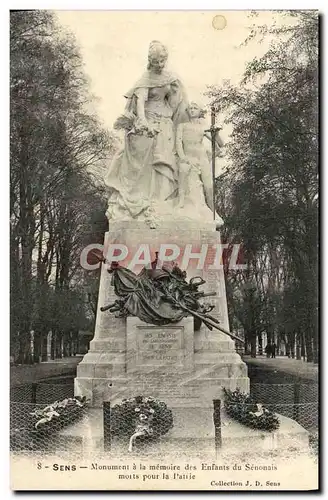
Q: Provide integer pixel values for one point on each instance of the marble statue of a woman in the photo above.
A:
(194, 169)
(142, 177)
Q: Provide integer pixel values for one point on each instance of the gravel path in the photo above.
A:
(295, 367)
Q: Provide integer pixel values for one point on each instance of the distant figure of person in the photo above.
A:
(268, 349)
(273, 350)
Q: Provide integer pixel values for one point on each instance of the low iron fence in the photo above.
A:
(41, 392)
(298, 401)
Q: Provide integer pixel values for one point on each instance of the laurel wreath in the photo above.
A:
(124, 416)
(242, 407)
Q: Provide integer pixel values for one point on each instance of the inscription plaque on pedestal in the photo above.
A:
(165, 347)
(157, 345)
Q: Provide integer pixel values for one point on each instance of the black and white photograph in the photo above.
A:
(164, 250)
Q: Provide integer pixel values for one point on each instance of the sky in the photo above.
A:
(114, 47)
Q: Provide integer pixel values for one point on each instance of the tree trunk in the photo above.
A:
(260, 344)
(298, 351)
(65, 343)
(309, 350)
(53, 344)
(70, 343)
(44, 347)
(77, 345)
(291, 341)
(292, 351)
(315, 350)
(26, 231)
(37, 346)
(59, 350)
(25, 355)
(315, 335)
(253, 346)
(303, 351)
(15, 295)
(247, 343)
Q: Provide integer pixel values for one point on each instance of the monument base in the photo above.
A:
(191, 437)
(184, 366)
(174, 363)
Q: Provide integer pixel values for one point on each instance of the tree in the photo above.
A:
(272, 200)
(56, 144)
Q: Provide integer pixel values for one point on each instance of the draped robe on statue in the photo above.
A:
(143, 175)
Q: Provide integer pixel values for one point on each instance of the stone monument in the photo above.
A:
(175, 362)
(161, 196)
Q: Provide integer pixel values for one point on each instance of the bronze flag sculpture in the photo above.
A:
(160, 295)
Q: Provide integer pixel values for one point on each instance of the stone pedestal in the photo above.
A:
(177, 363)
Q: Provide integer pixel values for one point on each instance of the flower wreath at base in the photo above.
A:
(145, 413)
(243, 408)
(35, 427)
(58, 414)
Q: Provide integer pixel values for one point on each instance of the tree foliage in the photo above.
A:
(270, 189)
(57, 143)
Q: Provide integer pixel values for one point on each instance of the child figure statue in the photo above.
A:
(195, 177)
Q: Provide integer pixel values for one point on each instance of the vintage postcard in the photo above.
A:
(164, 250)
